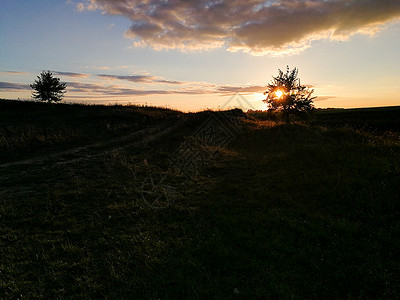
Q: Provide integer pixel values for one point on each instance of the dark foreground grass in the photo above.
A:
(285, 211)
(29, 128)
(379, 120)
(376, 120)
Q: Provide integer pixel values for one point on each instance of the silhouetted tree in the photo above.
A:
(286, 94)
(48, 88)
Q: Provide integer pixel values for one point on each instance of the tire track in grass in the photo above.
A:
(19, 176)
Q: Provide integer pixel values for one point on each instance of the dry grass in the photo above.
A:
(284, 211)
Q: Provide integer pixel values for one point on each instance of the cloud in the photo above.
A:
(10, 86)
(256, 26)
(140, 78)
(244, 90)
(192, 88)
(113, 90)
(85, 87)
(169, 81)
(13, 72)
(100, 89)
(113, 85)
(70, 74)
(101, 68)
(80, 7)
(322, 98)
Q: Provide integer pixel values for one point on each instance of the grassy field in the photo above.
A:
(377, 120)
(149, 203)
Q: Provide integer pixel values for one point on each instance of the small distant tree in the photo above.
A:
(48, 88)
(286, 94)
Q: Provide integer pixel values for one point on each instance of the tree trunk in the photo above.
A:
(287, 116)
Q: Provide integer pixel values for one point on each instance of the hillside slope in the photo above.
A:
(219, 206)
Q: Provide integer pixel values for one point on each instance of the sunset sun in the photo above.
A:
(279, 93)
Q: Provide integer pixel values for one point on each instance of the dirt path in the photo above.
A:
(79, 153)
(26, 176)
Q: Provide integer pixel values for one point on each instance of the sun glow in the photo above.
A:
(279, 93)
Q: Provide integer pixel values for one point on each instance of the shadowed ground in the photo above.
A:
(281, 211)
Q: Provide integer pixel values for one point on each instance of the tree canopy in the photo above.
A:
(286, 94)
(48, 88)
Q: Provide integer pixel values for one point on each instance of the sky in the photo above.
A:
(193, 54)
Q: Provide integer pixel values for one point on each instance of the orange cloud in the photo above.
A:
(71, 74)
